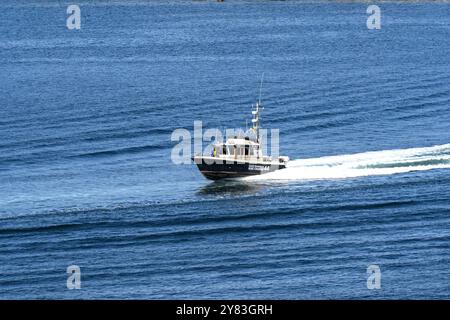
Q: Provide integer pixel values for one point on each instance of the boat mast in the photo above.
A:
(255, 112)
(255, 120)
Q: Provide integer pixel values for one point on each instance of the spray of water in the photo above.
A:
(363, 164)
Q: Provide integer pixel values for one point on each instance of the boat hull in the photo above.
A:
(235, 169)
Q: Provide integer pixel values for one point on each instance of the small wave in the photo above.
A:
(372, 163)
(129, 150)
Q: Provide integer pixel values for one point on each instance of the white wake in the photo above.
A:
(363, 164)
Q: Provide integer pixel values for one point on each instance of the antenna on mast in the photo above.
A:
(255, 113)
(260, 88)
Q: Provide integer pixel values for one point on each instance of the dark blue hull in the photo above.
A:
(235, 169)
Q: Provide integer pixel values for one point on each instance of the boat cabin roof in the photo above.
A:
(238, 141)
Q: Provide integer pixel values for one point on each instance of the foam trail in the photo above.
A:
(363, 164)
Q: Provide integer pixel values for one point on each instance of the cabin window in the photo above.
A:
(224, 149)
(247, 147)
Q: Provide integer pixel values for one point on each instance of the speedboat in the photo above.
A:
(239, 156)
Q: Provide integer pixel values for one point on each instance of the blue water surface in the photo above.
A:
(86, 176)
